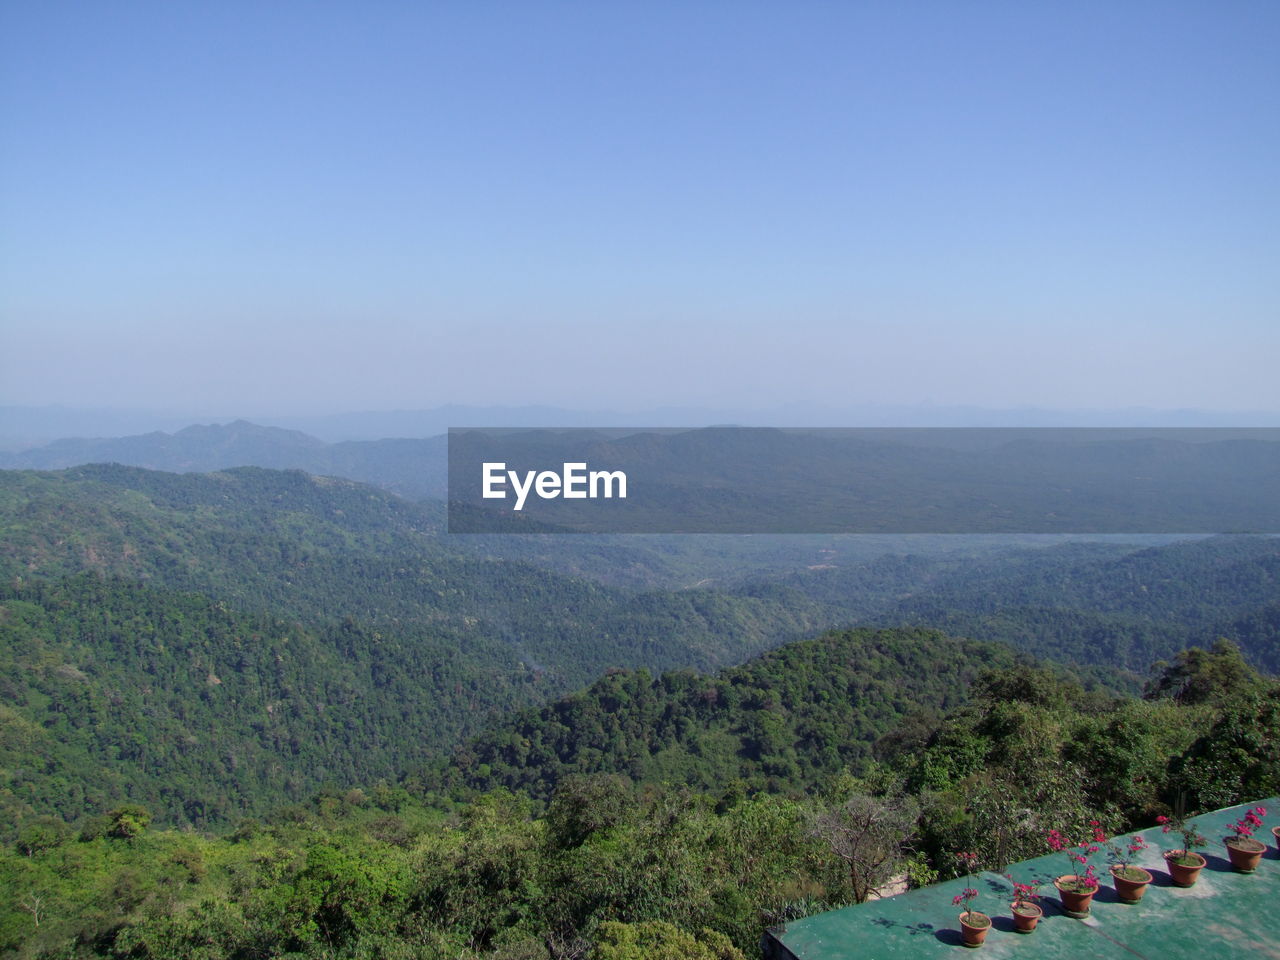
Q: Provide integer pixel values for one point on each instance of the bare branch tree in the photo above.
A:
(871, 836)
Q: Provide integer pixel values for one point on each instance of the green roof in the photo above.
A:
(1225, 915)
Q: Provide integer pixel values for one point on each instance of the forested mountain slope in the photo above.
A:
(115, 691)
(126, 590)
(316, 548)
(221, 643)
(1084, 603)
(785, 720)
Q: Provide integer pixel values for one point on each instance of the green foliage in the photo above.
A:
(655, 940)
(1238, 758)
(42, 833)
(1031, 753)
(128, 822)
(1214, 676)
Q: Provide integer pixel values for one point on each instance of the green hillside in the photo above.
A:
(396, 708)
(115, 691)
(317, 549)
(784, 721)
(1084, 603)
(125, 590)
(221, 643)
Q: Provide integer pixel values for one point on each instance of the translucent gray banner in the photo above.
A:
(864, 480)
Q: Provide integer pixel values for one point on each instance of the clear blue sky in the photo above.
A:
(308, 207)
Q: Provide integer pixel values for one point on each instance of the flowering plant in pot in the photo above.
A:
(1078, 887)
(1026, 911)
(1244, 851)
(974, 926)
(1131, 882)
(1184, 864)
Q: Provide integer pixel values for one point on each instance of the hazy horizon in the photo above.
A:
(295, 211)
(23, 427)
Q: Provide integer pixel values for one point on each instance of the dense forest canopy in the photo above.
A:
(261, 713)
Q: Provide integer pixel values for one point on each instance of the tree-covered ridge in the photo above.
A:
(785, 720)
(1078, 602)
(332, 560)
(126, 590)
(413, 468)
(1194, 582)
(306, 547)
(316, 549)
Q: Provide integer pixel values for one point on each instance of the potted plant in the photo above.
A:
(1184, 864)
(1275, 832)
(1131, 882)
(1244, 851)
(1077, 888)
(1026, 911)
(974, 926)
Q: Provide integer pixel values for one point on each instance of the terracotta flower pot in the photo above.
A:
(1183, 875)
(1244, 853)
(1131, 884)
(1026, 916)
(1075, 901)
(1275, 832)
(974, 927)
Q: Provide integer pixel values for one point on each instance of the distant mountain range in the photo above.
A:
(27, 426)
(414, 469)
(907, 480)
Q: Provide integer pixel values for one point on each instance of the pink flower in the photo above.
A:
(1252, 819)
